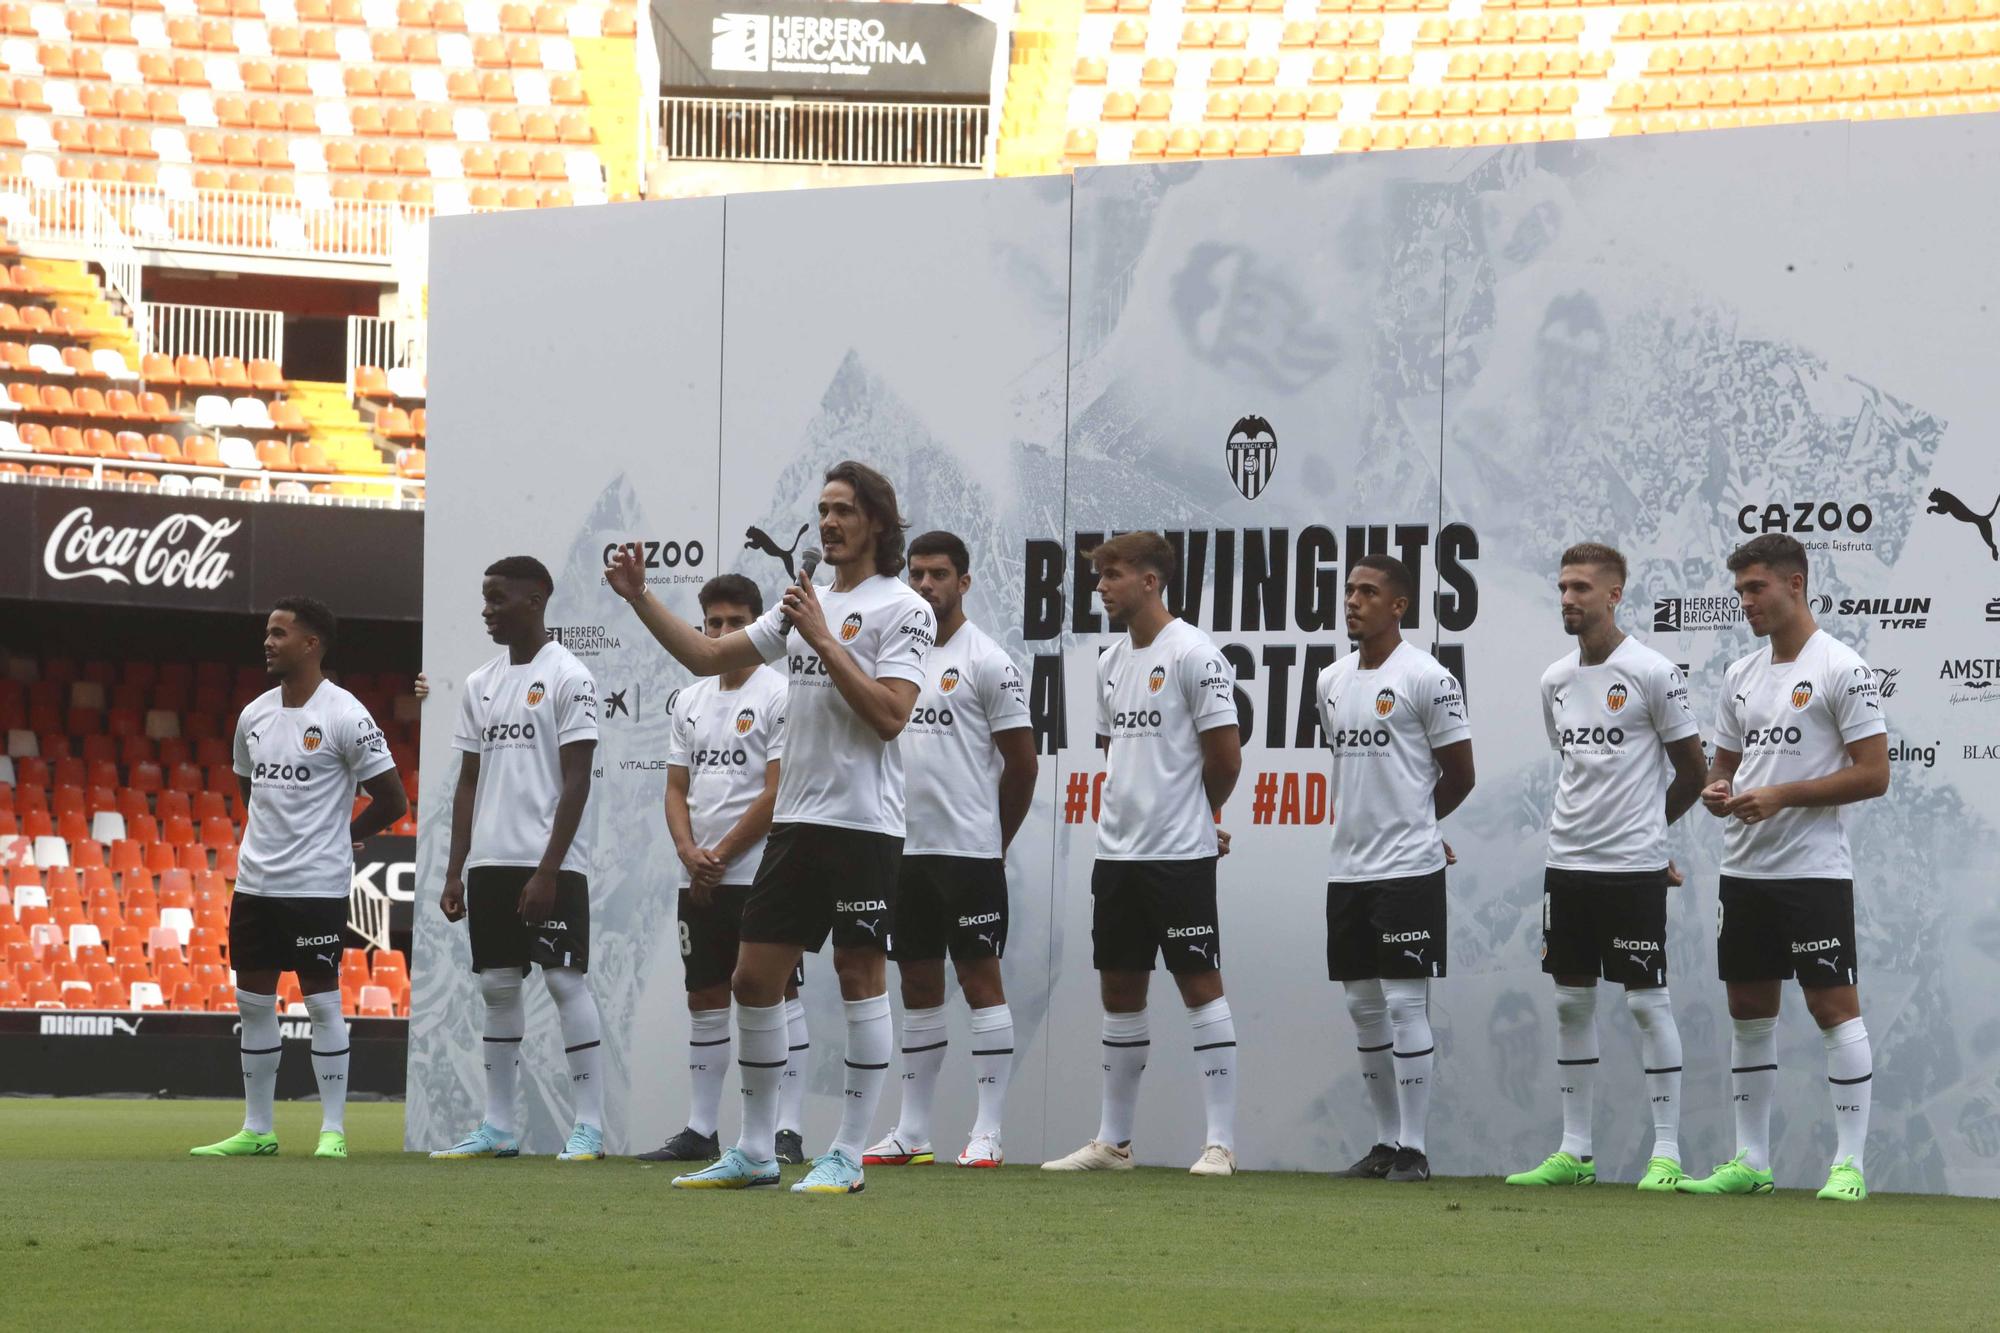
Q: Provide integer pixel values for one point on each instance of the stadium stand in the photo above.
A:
(119, 822)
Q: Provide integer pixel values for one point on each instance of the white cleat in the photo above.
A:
(984, 1150)
(1095, 1155)
(1216, 1160)
(892, 1151)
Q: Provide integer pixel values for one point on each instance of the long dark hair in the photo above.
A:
(877, 499)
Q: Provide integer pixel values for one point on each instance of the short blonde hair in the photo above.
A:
(1147, 550)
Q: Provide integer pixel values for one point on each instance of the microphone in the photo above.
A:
(808, 563)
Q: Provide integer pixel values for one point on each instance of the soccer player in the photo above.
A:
(1799, 736)
(1402, 761)
(300, 749)
(520, 853)
(970, 774)
(1167, 722)
(722, 780)
(1617, 712)
(855, 655)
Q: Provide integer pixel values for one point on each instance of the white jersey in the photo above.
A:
(971, 692)
(725, 739)
(1382, 726)
(1609, 723)
(303, 764)
(1154, 703)
(837, 770)
(1792, 721)
(517, 719)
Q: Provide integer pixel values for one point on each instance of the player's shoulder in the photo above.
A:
(480, 675)
(335, 700)
(1411, 661)
(1560, 670)
(1338, 669)
(566, 664)
(691, 696)
(1837, 655)
(1648, 660)
(265, 704)
(893, 594)
(1754, 660)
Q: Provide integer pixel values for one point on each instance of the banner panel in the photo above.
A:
(823, 46)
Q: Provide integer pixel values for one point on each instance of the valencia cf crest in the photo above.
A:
(744, 721)
(1252, 455)
(1385, 703)
(850, 627)
(948, 681)
(1614, 698)
(536, 693)
(1801, 695)
(1156, 680)
(311, 739)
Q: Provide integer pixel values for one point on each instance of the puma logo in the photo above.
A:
(549, 941)
(331, 960)
(1944, 502)
(756, 539)
(1558, 696)
(1828, 963)
(873, 927)
(1414, 955)
(1206, 952)
(990, 942)
(1638, 959)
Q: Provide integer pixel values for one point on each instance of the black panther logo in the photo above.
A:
(756, 539)
(1944, 502)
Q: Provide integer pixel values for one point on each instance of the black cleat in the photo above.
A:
(1410, 1165)
(791, 1148)
(1374, 1166)
(686, 1146)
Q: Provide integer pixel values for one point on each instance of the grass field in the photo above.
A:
(104, 1221)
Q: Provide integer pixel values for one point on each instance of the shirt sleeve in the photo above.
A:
(1441, 703)
(1549, 715)
(466, 735)
(680, 732)
(906, 643)
(1673, 716)
(240, 751)
(1103, 693)
(769, 634)
(1208, 684)
(367, 748)
(1856, 701)
(576, 710)
(1729, 715)
(774, 727)
(1002, 695)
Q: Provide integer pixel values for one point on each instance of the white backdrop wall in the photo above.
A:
(1469, 359)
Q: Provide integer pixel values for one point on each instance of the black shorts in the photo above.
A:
(817, 880)
(500, 938)
(1141, 909)
(1770, 929)
(1389, 929)
(1610, 924)
(709, 936)
(949, 904)
(302, 935)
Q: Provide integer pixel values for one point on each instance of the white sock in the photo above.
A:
(261, 1046)
(1376, 1040)
(869, 1036)
(708, 1063)
(760, 1061)
(924, 1043)
(1215, 1051)
(506, 1022)
(1576, 1064)
(992, 1064)
(1850, 1073)
(329, 1058)
(1660, 1052)
(583, 1042)
(792, 1090)
(1125, 1047)
(1410, 1017)
(1753, 1078)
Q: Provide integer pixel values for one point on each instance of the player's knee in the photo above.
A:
(1574, 1008)
(707, 999)
(1408, 1004)
(500, 986)
(1200, 988)
(1648, 1008)
(1365, 1004)
(1833, 1005)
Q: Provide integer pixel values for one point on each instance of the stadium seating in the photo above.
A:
(142, 921)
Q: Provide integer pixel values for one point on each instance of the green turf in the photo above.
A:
(104, 1221)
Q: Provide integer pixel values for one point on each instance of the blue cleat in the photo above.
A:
(586, 1144)
(832, 1173)
(485, 1141)
(736, 1171)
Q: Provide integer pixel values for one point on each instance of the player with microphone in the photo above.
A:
(854, 652)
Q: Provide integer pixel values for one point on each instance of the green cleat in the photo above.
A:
(1733, 1177)
(1844, 1183)
(1559, 1169)
(332, 1143)
(1663, 1176)
(240, 1144)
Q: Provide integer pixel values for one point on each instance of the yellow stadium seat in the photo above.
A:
(1157, 72)
(1155, 105)
(1431, 32)
(1090, 70)
(1080, 144)
(1255, 106)
(1354, 139)
(1217, 143)
(1393, 102)
(1233, 36)
(1290, 105)
(1226, 70)
(1427, 102)
(1425, 135)
(1323, 105)
(1463, 65)
(1196, 34)
(1118, 105)
(1182, 145)
(1129, 35)
(1296, 35)
(1262, 70)
(1388, 137)
(1149, 143)
(1287, 142)
(1221, 106)
(1252, 141)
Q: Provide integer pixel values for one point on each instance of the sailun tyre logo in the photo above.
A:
(180, 551)
(1252, 455)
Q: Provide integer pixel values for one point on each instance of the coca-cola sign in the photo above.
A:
(179, 550)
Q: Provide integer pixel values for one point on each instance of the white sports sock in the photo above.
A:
(924, 1043)
(261, 1046)
(798, 1055)
(869, 1036)
(1576, 1064)
(1753, 1078)
(1850, 1074)
(1409, 1015)
(583, 1041)
(506, 1021)
(708, 1063)
(329, 1059)
(992, 1064)
(760, 1061)
(1660, 1052)
(1376, 1040)
(1215, 1050)
(1125, 1048)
